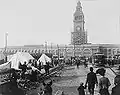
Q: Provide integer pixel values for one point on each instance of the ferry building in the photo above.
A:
(78, 46)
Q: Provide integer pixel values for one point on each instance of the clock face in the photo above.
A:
(78, 28)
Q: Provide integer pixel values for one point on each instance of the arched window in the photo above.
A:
(35, 51)
(118, 51)
(15, 51)
(38, 50)
(49, 51)
(28, 51)
(42, 51)
(109, 50)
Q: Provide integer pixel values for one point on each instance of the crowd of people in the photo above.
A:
(29, 75)
(91, 82)
(77, 61)
(103, 84)
(30, 71)
(84, 61)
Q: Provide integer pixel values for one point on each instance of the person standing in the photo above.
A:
(24, 68)
(85, 63)
(77, 62)
(35, 64)
(116, 88)
(39, 65)
(47, 88)
(91, 81)
(104, 83)
(47, 67)
(81, 89)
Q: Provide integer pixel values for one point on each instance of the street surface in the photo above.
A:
(71, 78)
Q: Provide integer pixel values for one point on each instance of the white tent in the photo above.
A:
(9, 57)
(18, 58)
(43, 59)
(5, 66)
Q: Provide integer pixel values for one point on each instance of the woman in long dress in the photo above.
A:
(104, 83)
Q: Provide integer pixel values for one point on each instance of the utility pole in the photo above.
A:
(119, 23)
(65, 51)
(5, 51)
(74, 48)
(83, 50)
(45, 47)
(58, 51)
(51, 49)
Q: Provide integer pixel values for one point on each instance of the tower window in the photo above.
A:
(78, 17)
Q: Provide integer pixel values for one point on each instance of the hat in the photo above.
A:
(81, 83)
(101, 71)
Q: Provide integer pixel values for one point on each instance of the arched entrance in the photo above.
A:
(87, 52)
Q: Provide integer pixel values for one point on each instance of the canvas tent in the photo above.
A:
(9, 57)
(43, 59)
(5, 66)
(19, 57)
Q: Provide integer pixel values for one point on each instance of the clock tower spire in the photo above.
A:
(78, 18)
(78, 37)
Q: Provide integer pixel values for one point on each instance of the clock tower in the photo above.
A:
(79, 36)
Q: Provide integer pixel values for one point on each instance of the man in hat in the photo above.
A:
(91, 81)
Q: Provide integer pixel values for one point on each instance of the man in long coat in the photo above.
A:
(91, 81)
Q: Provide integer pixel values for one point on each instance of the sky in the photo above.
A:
(34, 22)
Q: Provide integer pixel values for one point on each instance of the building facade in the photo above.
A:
(78, 46)
(79, 35)
(66, 50)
